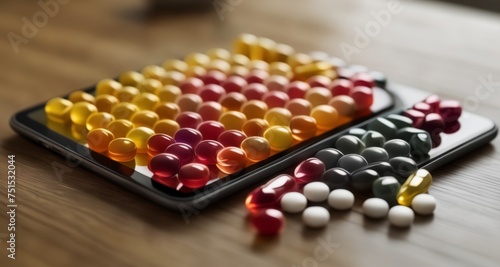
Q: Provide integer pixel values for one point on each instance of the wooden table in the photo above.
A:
(84, 220)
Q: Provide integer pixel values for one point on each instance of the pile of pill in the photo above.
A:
(214, 113)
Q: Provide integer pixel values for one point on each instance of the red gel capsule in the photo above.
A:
(210, 111)
(433, 101)
(213, 77)
(340, 87)
(309, 170)
(210, 130)
(275, 99)
(206, 151)
(268, 222)
(188, 119)
(211, 92)
(276, 83)
(183, 151)
(158, 143)
(423, 107)
(363, 96)
(164, 165)
(194, 175)
(452, 127)
(269, 194)
(363, 79)
(254, 91)
(231, 138)
(297, 89)
(433, 124)
(319, 81)
(191, 85)
(450, 110)
(188, 136)
(257, 76)
(416, 116)
(234, 84)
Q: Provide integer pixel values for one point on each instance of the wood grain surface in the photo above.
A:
(85, 220)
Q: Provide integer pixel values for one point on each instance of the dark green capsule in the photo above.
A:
(358, 132)
(329, 157)
(408, 132)
(363, 180)
(349, 144)
(383, 126)
(382, 168)
(336, 178)
(420, 144)
(372, 138)
(375, 154)
(352, 162)
(386, 188)
(403, 167)
(397, 148)
(399, 120)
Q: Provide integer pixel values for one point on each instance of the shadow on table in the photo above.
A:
(488, 5)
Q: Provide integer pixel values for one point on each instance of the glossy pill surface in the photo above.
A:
(81, 111)
(373, 139)
(231, 138)
(157, 143)
(423, 204)
(210, 130)
(231, 159)
(120, 128)
(375, 154)
(268, 222)
(166, 126)
(303, 127)
(316, 217)
(256, 148)
(279, 137)
(362, 180)
(316, 191)
(349, 144)
(401, 216)
(146, 118)
(375, 208)
(309, 170)
(417, 183)
(293, 202)
(58, 109)
(206, 151)
(269, 194)
(122, 149)
(194, 175)
(341, 199)
(403, 167)
(386, 188)
(397, 148)
(326, 117)
(164, 165)
(183, 151)
(99, 139)
(98, 120)
(140, 136)
(329, 157)
(336, 178)
(188, 136)
(233, 120)
(352, 162)
(383, 126)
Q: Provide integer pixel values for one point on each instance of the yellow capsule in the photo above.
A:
(417, 183)
(153, 71)
(166, 126)
(326, 117)
(219, 53)
(263, 49)
(175, 64)
(126, 94)
(99, 120)
(124, 110)
(256, 148)
(197, 59)
(238, 71)
(243, 43)
(168, 93)
(81, 96)
(254, 109)
(303, 127)
(279, 137)
(99, 139)
(258, 65)
(299, 59)
(278, 116)
(332, 74)
(312, 69)
(81, 111)
(79, 132)
(146, 118)
(195, 71)
(220, 65)
(105, 103)
(189, 102)
(345, 105)
(107, 87)
(255, 127)
(233, 120)
(146, 101)
(318, 96)
(122, 150)
(167, 110)
(282, 52)
(58, 109)
(131, 78)
(173, 77)
(149, 85)
(238, 60)
(140, 136)
(280, 68)
(120, 127)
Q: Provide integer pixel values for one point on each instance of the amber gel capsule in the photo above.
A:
(417, 183)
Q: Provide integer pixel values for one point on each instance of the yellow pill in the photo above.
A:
(166, 126)
(254, 109)
(126, 94)
(153, 71)
(233, 120)
(149, 85)
(124, 110)
(107, 87)
(256, 64)
(417, 183)
(256, 148)
(278, 116)
(168, 93)
(173, 77)
(345, 105)
(279, 137)
(312, 69)
(195, 71)
(99, 120)
(326, 117)
(219, 53)
(120, 127)
(255, 127)
(220, 65)
(81, 111)
(238, 60)
(298, 59)
(318, 96)
(105, 103)
(81, 96)
(146, 118)
(303, 127)
(58, 109)
(131, 78)
(99, 139)
(280, 68)
(140, 136)
(146, 101)
(282, 52)
(167, 110)
(122, 150)
(175, 64)
(79, 132)
(243, 43)
(197, 59)
(262, 49)
(241, 71)
(189, 102)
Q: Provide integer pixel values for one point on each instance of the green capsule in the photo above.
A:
(383, 126)
(417, 183)
(397, 148)
(372, 138)
(358, 132)
(349, 144)
(399, 120)
(386, 188)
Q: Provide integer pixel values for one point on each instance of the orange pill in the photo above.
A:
(99, 139)
(189, 102)
(167, 110)
(278, 116)
(105, 103)
(168, 93)
(231, 159)
(255, 127)
(126, 94)
(254, 109)
(146, 118)
(146, 101)
(210, 111)
(318, 96)
(166, 126)
(122, 150)
(256, 148)
(233, 120)
(233, 101)
(299, 106)
(326, 117)
(124, 110)
(345, 105)
(303, 127)
(149, 85)
(120, 127)
(98, 120)
(107, 87)
(81, 96)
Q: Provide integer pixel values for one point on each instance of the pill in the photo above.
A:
(344, 104)
(279, 137)
(297, 89)
(158, 142)
(233, 120)
(408, 132)
(450, 110)
(451, 127)
(349, 144)
(276, 83)
(340, 87)
(329, 157)
(254, 91)
(309, 170)
(336, 178)
(382, 168)
(362, 180)
(341, 199)
(99, 139)
(124, 110)
(375, 208)
(358, 132)
(312, 69)
(183, 151)
(303, 127)
(423, 107)
(153, 71)
(281, 53)
(231, 159)
(326, 117)
(210, 111)
(383, 126)
(293, 202)
(275, 99)
(140, 136)
(256, 75)
(316, 191)
(146, 118)
(375, 154)
(433, 101)
(254, 109)
(268, 222)
(373, 139)
(298, 59)
(206, 151)
(167, 110)
(315, 217)
(397, 148)
(105, 103)
(415, 116)
(195, 72)
(120, 128)
(146, 101)
(191, 85)
(233, 101)
(188, 136)
(166, 126)
(278, 116)
(172, 78)
(149, 86)
(434, 124)
(130, 78)
(423, 204)
(386, 188)
(318, 96)
(58, 109)
(189, 119)
(174, 64)
(107, 87)
(197, 59)
(399, 120)
(417, 183)
(269, 194)
(363, 79)
(256, 148)
(122, 149)
(81, 111)
(299, 106)
(231, 138)
(363, 96)
(189, 102)
(255, 127)
(403, 167)
(401, 216)
(215, 77)
(210, 130)
(319, 81)
(168, 93)
(194, 175)
(164, 165)
(81, 96)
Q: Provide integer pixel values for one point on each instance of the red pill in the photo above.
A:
(183, 151)
(269, 194)
(256, 76)
(188, 136)
(191, 85)
(363, 96)
(211, 92)
(297, 89)
(189, 119)
(450, 110)
(341, 87)
(194, 175)
(319, 81)
(275, 99)
(231, 159)
(268, 222)
(189, 102)
(423, 107)
(276, 83)
(434, 124)
(416, 116)
(363, 79)
(309, 170)
(206, 151)
(232, 138)
(451, 127)
(210, 111)
(233, 101)
(158, 143)
(433, 101)
(210, 130)
(213, 77)
(254, 91)
(164, 165)
(234, 84)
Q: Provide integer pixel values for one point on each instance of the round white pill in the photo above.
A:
(424, 204)
(293, 202)
(375, 208)
(341, 199)
(316, 217)
(316, 191)
(401, 216)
